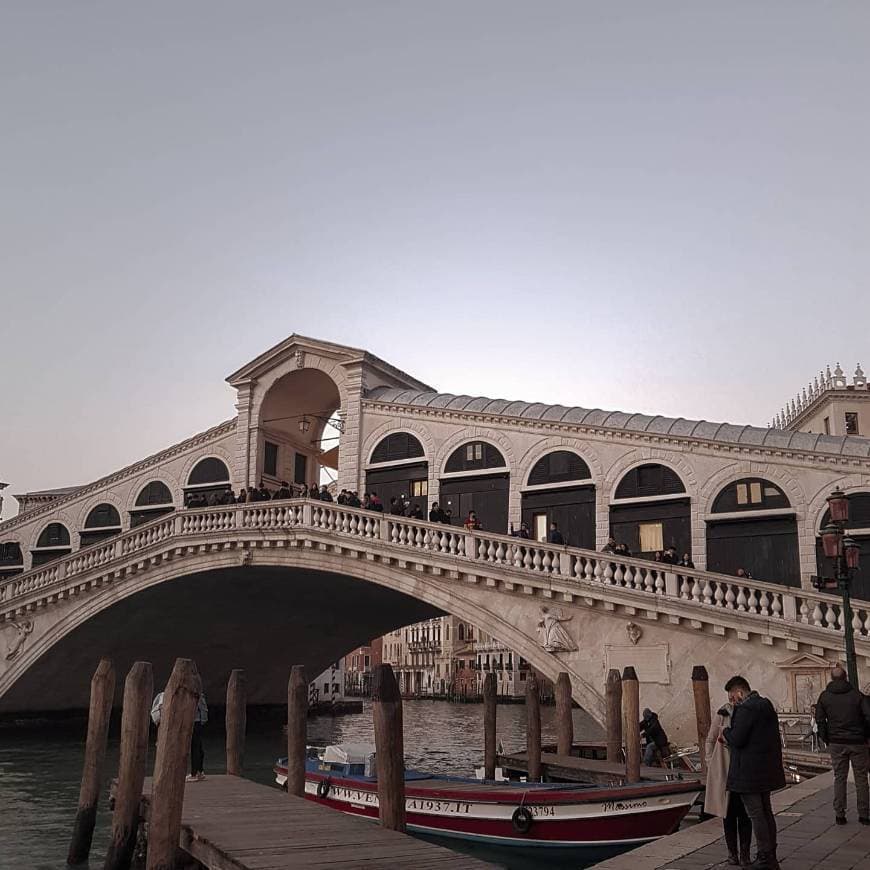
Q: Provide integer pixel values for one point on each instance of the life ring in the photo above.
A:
(323, 788)
(522, 820)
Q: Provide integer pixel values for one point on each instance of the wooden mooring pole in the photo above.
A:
(297, 730)
(102, 695)
(135, 723)
(236, 721)
(533, 728)
(490, 701)
(701, 691)
(613, 724)
(390, 747)
(173, 748)
(564, 715)
(631, 727)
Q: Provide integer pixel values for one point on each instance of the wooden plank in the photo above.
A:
(230, 823)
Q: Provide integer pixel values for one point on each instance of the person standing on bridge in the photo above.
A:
(843, 717)
(756, 767)
(555, 536)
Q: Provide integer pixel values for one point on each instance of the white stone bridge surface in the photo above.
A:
(266, 585)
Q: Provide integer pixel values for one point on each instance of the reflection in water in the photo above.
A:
(40, 768)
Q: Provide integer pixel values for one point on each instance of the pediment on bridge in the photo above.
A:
(804, 662)
(343, 355)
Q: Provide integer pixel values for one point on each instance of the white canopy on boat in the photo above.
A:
(348, 753)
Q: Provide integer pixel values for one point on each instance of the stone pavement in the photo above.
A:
(808, 837)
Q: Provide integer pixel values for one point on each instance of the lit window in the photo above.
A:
(419, 488)
(755, 492)
(852, 422)
(650, 537)
(742, 493)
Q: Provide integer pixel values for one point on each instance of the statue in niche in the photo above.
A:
(23, 629)
(554, 636)
(634, 632)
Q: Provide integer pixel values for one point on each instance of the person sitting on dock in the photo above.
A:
(656, 739)
(843, 718)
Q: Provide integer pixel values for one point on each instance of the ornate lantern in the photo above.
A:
(852, 552)
(838, 504)
(831, 540)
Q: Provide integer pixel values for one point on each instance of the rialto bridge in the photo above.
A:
(120, 567)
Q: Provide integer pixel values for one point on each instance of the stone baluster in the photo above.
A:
(764, 603)
(589, 568)
(547, 563)
(730, 598)
(707, 592)
(818, 615)
(659, 582)
(618, 575)
(536, 562)
(741, 599)
(696, 590)
(830, 617)
(608, 574)
(752, 602)
(598, 572)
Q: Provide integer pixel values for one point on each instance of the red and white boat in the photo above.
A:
(504, 813)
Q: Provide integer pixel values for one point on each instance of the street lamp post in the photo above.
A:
(845, 553)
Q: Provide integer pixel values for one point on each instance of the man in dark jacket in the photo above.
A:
(555, 536)
(756, 764)
(843, 717)
(656, 739)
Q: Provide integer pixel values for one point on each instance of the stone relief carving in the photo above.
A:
(634, 632)
(554, 636)
(300, 359)
(13, 648)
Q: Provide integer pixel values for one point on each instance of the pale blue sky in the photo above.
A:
(630, 205)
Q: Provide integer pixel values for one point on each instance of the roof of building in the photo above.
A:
(47, 493)
(749, 436)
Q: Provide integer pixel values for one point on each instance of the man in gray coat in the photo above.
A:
(843, 717)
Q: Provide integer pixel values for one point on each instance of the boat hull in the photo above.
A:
(561, 818)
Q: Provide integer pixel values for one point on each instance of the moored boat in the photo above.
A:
(505, 813)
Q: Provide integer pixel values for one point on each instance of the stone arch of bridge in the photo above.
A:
(441, 594)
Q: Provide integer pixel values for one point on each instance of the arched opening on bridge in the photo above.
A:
(299, 431)
(208, 482)
(859, 530)
(11, 559)
(398, 469)
(650, 511)
(560, 490)
(753, 526)
(102, 522)
(52, 543)
(154, 500)
(477, 478)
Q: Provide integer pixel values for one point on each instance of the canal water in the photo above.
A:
(40, 769)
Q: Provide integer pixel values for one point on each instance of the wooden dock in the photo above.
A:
(230, 823)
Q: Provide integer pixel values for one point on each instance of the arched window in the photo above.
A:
(461, 631)
(750, 494)
(208, 471)
(649, 480)
(154, 494)
(102, 522)
(560, 466)
(53, 542)
(396, 447)
(154, 500)
(473, 456)
(53, 535)
(103, 516)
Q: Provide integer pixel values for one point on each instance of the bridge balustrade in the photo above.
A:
(637, 578)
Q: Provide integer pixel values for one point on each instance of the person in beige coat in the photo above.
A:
(718, 801)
